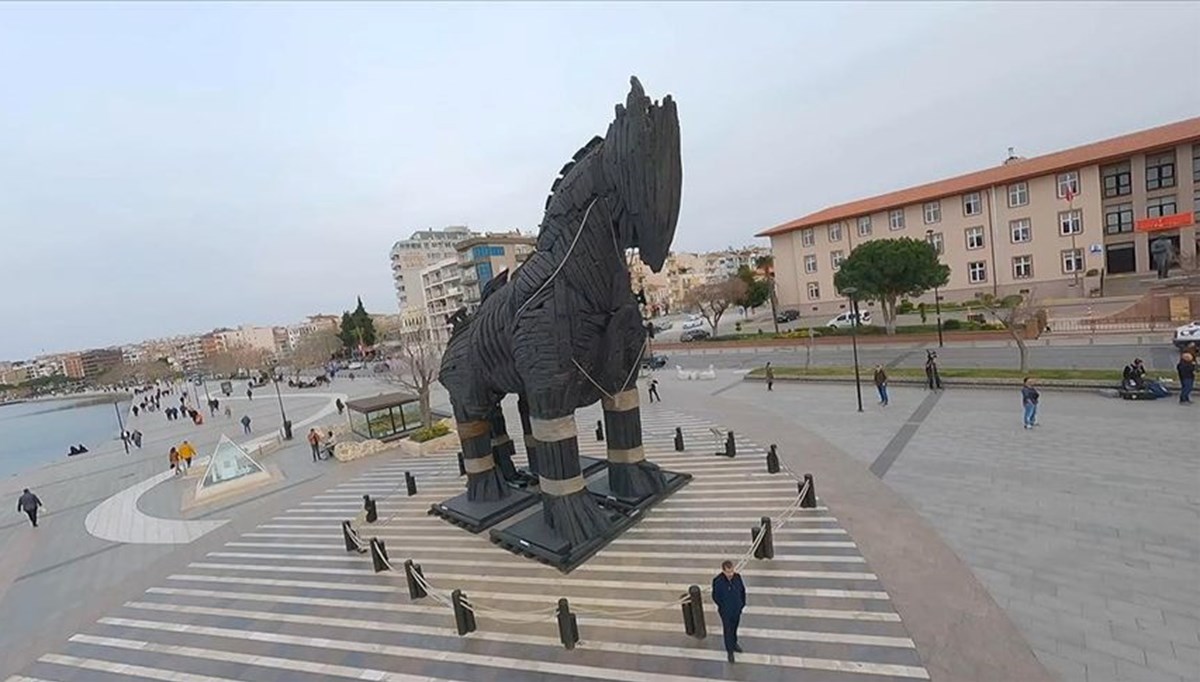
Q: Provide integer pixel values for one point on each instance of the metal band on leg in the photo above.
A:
(558, 488)
(478, 465)
(630, 456)
(550, 430)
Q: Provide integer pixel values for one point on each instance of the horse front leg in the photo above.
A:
(629, 474)
(484, 480)
(527, 434)
(566, 505)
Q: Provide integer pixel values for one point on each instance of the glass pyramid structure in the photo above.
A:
(229, 462)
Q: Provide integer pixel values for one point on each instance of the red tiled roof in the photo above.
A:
(1096, 152)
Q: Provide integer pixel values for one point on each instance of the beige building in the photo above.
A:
(482, 257)
(247, 336)
(1052, 225)
(442, 283)
(421, 250)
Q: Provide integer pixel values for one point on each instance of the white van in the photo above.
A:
(846, 319)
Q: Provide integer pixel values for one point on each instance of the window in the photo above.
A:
(1118, 180)
(1022, 267)
(479, 252)
(810, 263)
(484, 270)
(977, 272)
(1072, 261)
(1018, 194)
(814, 291)
(864, 226)
(972, 204)
(1118, 219)
(836, 258)
(835, 232)
(974, 238)
(1070, 222)
(933, 212)
(1160, 171)
(1020, 230)
(936, 241)
(807, 237)
(1068, 182)
(896, 219)
(1196, 164)
(1157, 208)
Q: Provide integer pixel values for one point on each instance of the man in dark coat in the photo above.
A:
(729, 594)
(29, 504)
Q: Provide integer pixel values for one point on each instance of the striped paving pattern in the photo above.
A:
(287, 602)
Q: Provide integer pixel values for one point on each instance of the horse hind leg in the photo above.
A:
(484, 481)
(630, 476)
(503, 447)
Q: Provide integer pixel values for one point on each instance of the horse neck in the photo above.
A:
(580, 232)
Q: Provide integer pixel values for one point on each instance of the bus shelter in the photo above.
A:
(386, 416)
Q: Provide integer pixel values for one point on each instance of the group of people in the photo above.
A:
(1133, 377)
(322, 446)
(181, 458)
(133, 436)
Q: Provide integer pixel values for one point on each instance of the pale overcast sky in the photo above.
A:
(168, 168)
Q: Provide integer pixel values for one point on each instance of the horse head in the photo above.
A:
(644, 174)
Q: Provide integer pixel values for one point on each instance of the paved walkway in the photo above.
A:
(1085, 530)
(286, 601)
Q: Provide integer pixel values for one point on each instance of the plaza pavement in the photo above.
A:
(1086, 530)
(273, 595)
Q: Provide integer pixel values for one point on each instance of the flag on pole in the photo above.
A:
(1069, 194)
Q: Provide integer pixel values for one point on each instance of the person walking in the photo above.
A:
(314, 441)
(173, 458)
(932, 377)
(341, 406)
(1187, 377)
(246, 423)
(1029, 401)
(770, 377)
(654, 391)
(186, 453)
(249, 394)
(729, 594)
(29, 504)
(228, 413)
(881, 384)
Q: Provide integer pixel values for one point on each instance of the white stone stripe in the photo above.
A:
(729, 544)
(124, 669)
(527, 665)
(26, 678)
(732, 544)
(520, 580)
(586, 568)
(248, 659)
(687, 525)
(489, 550)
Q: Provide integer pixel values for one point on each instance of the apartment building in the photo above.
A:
(482, 257)
(1050, 225)
(248, 336)
(419, 251)
(97, 361)
(442, 283)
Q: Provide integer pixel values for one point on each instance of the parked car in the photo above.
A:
(693, 323)
(694, 335)
(654, 361)
(788, 315)
(1188, 334)
(847, 318)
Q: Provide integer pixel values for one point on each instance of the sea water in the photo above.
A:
(40, 432)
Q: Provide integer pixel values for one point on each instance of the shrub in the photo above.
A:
(906, 306)
(951, 325)
(435, 430)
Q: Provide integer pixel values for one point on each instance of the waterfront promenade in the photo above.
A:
(972, 556)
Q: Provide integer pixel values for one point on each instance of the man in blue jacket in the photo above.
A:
(29, 504)
(729, 594)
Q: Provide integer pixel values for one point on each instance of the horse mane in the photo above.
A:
(566, 170)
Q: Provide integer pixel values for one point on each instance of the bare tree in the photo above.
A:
(235, 360)
(415, 363)
(1014, 314)
(714, 298)
(314, 350)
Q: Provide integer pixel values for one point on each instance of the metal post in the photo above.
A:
(774, 304)
(678, 439)
(287, 425)
(854, 342)
(568, 626)
(693, 613)
(937, 297)
(121, 424)
(411, 573)
(410, 484)
(772, 460)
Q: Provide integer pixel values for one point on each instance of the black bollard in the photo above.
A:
(568, 626)
(599, 431)
(379, 556)
(462, 467)
(411, 571)
(772, 460)
(693, 613)
(369, 506)
(730, 446)
(678, 439)
(464, 618)
(810, 495)
(766, 548)
(410, 483)
(348, 536)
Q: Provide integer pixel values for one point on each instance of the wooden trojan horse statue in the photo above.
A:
(565, 330)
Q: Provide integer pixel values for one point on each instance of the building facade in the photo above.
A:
(421, 250)
(1048, 226)
(442, 284)
(247, 336)
(97, 361)
(482, 257)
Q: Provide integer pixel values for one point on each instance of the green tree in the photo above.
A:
(757, 290)
(357, 328)
(883, 270)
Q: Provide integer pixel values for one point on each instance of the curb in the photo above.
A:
(1058, 384)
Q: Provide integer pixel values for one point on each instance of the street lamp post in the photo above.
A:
(287, 425)
(851, 291)
(937, 296)
(121, 424)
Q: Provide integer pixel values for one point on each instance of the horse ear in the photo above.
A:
(637, 94)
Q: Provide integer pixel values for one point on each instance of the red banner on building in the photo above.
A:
(1167, 222)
